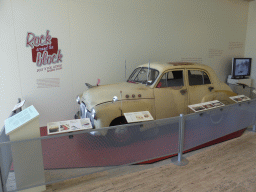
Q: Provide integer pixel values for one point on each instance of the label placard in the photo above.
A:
(68, 126)
(138, 116)
(20, 119)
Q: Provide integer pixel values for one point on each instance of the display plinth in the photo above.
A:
(247, 82)
(27, 156)
(240, 89)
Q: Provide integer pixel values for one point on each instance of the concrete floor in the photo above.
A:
(229, 166)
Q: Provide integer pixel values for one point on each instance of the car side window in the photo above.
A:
(206, 78)
(171, 79)
(197, 77)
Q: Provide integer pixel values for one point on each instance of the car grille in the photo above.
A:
(85, 113)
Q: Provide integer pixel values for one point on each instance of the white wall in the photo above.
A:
(111, 31)
(10, 87)
(250, 48)
(56, 103)
(96, 37)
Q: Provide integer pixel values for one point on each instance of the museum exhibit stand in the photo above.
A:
(35, 161)
(27, 156)
(244, 88)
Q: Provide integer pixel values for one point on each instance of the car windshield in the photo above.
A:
(143, 75)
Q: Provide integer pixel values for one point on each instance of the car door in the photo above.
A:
(199, 85)
(171, 94)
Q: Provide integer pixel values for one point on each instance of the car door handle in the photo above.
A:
(183, 91)
(210, 88)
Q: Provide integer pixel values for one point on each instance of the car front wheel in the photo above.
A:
(120, 135)
(77, 115)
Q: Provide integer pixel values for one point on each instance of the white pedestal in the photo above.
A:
(247, 82)
(240, 90)
(27, 156)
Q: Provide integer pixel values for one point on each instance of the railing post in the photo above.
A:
(179, 160)
(1, 183)
(3, 178)
(253, 128)
(254, 125)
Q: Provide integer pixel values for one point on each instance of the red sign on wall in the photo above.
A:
(44, 49)
(52, 48)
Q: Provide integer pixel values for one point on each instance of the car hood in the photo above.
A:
(105, 93)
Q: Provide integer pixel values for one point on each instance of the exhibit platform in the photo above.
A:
(80, 153)
(228, 166)
(80, 163)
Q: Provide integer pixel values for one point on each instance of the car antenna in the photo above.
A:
(148, 71)
(121, 103)
(125, 68)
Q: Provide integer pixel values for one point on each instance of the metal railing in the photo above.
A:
(71, 155)
(6, 154)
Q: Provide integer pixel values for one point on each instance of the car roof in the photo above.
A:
(161, 67)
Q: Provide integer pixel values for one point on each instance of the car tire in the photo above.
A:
(77, 116)
(122, 135)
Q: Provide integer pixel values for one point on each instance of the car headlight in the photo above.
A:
(93, 112)
(78, 100)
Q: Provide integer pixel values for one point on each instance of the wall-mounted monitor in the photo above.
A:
(241, 68)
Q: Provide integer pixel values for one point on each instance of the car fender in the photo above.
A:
(221, 95)
(109, 111)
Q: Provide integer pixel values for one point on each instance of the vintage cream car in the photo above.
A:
(163, 89)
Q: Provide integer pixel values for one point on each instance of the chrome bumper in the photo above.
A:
(84, 113)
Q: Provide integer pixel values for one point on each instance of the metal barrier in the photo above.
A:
(242, 89)
(70, 155)
(6, 154)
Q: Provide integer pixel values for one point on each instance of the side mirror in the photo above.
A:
(114, 99)
(78, 100)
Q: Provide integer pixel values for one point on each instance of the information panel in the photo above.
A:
(138, 116)
(68, 126)
(20, 119)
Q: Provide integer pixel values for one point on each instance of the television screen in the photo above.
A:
(241, 67)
